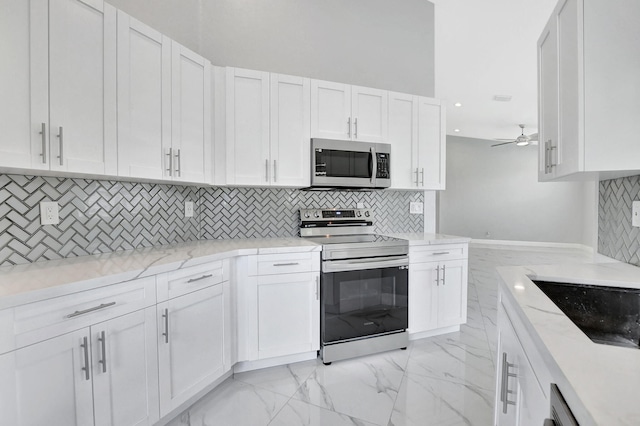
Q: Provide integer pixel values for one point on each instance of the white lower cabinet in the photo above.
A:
(437, 288)
(193, 343)
(107, 371)
(520, 390)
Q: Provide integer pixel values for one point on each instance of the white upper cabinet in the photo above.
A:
(188, 159)
(290, 130)
(144, 99)
(417, 138)
(589, 74)
(267, 129)
(61, 108)
(247, 127)
(341, 111)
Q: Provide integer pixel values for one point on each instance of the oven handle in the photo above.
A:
(362, 264)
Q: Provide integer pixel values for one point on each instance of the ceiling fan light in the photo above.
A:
(522, 142)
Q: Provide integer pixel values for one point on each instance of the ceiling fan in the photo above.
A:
(522, 140)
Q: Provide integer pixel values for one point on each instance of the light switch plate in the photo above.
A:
(49, 213)
(635, 213)
(416, 208)
(188, 209)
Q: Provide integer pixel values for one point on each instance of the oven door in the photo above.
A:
(363, 297)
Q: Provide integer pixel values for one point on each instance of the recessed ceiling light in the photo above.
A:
(502, 98)
(456, 130)
(458, 104)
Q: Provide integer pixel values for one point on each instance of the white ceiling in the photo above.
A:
(487, 48)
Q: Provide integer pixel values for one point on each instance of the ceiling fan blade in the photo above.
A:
(533, 137)
(502, 139)
(503, 143)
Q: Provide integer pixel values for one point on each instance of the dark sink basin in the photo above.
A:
(608, 315)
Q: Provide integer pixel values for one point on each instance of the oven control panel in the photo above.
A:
(334, 215)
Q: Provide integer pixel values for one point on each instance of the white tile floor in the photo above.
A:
(443, 380)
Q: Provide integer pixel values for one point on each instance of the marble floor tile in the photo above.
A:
(298, 413)
(425, 401)
(442, 380)
(285, 379)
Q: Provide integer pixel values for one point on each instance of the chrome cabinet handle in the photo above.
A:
(61, 137)
(286, 264)
(422, 177)
(170, 168)
(85, 346)
(444, 274)
(165, 315)
(355, 128)
(349, 127)
(317, 287)
(274, 171)
(416, 176)
(43, 132)
(266, 170)
(551, 163)
(103, 342)
(439, 253)
(192, 280)
(178, 164)
(438, 275)
(504, 390)
(86, 311)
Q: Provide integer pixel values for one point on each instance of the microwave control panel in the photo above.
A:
(382, 169)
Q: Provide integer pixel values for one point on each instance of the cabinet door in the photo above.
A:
(369, 113)
(287, 314)
(24, 102)
(452, 293)
(331, 110)
(193, 342)
(431, 143)
(247, 127)
(403, 137)
(48, 382)
(548, 103)
(144, 99)
(82, 77)
(423, 297)
(290, 130)
(570, 146)
(190, 152)
(125, 370)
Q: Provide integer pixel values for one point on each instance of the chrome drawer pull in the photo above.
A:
(170, 167)
(61, 137)
(85, 346)
(103, 340)
(286, 264)
(43, 132)
(504, 391)
(440, 253)
(86, 311)
(438, 275)
(192, 280)
(165, 315)
(444, 277)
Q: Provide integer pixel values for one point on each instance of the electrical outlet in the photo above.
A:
(416, 208)
(635, 213)
(188, 209)
(49, 213)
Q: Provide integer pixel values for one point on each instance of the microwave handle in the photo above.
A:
(373, 164)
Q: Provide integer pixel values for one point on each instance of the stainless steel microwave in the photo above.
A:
(350, 164)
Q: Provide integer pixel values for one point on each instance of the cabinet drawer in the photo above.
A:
(45, 319)
(272, 264)
(183, 281)
(437, 252)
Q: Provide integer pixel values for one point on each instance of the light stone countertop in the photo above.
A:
(28, 283)
(419, 238)
(601, 383)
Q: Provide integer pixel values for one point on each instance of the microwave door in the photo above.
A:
(346, 168)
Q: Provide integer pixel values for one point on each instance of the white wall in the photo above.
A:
(496, 191)
(375, 43)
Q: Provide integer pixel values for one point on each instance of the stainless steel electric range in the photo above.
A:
(363, 286)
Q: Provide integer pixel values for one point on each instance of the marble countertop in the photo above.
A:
(419, 238)
(601, 383)
(28, 283)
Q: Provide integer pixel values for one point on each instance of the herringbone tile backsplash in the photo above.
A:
(105, 216)
(616, 237)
